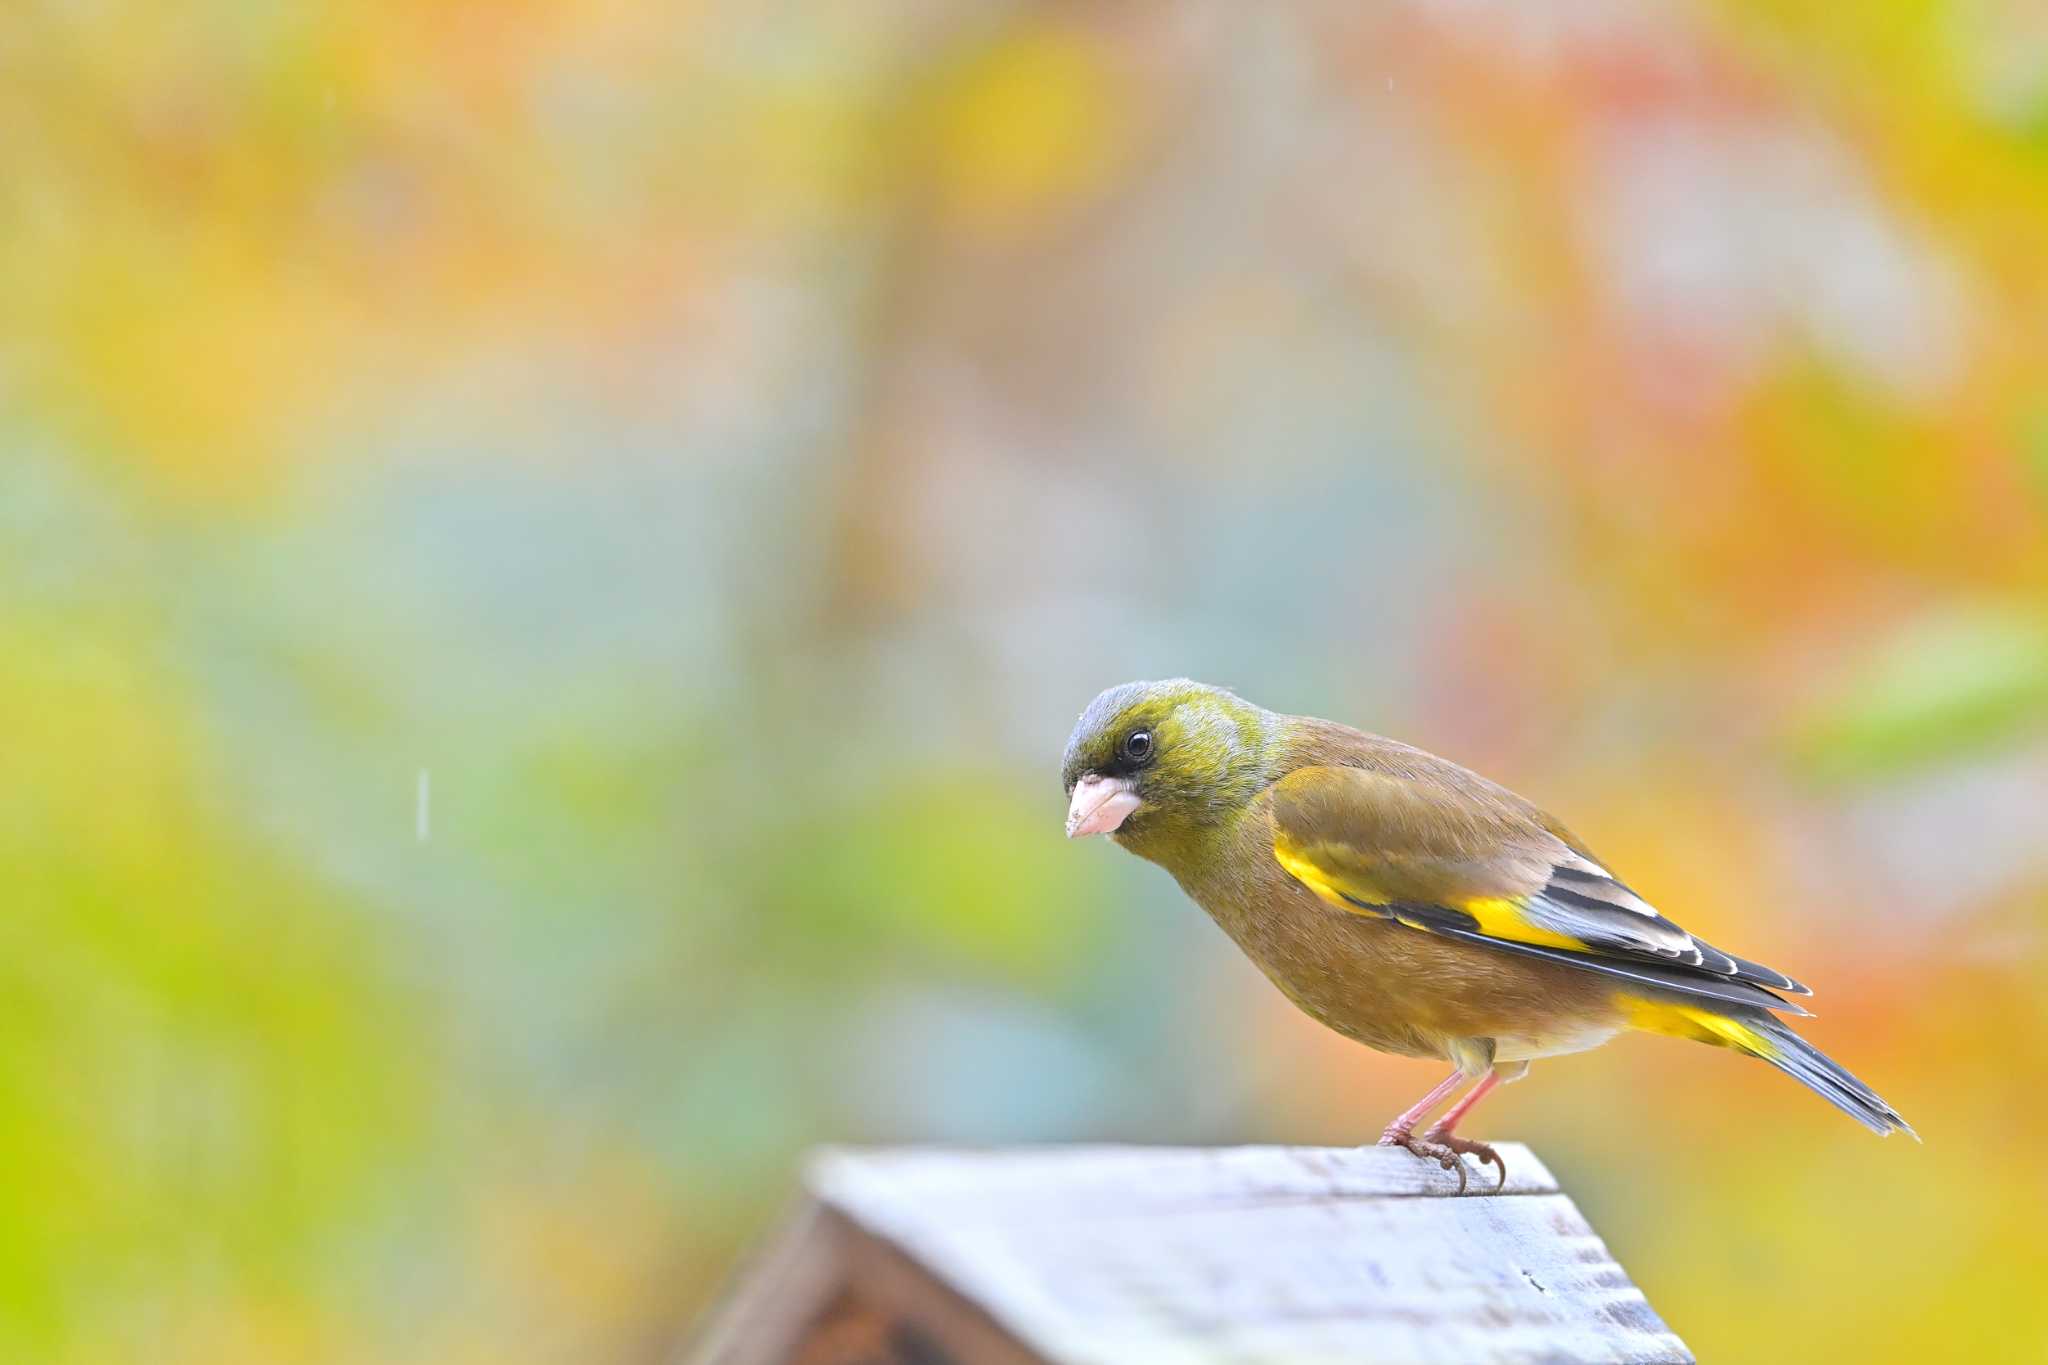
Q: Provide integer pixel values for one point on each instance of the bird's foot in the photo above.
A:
(1447, 1150)
(1470, 1147)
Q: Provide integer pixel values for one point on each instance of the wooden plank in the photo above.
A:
(934, 1323)
(1161, 1176)
(776, 1294)
(820, 1260)
(1255, 1256)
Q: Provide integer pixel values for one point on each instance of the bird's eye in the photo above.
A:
(1138, 745)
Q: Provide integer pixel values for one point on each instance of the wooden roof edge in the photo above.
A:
(1005, 1255)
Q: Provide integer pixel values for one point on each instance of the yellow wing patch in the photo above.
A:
(1494, 916)
(1500, 917)
(1311, 875)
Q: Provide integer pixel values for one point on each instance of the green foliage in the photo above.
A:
(1937, 690)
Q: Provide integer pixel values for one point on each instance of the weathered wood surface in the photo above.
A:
(1169, 1256)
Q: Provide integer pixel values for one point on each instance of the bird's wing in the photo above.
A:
(1446, 852)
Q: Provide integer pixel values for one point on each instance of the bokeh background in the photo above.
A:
(723, 446)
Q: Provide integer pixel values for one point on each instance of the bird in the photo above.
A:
(1414, 906)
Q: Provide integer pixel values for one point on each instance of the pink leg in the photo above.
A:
(1398, 1131)
(1441, 1129)
(1439, 1144)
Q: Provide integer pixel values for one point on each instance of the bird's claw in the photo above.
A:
(1472, 1147)
(1448, 1150)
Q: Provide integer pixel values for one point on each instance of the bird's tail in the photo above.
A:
(1760, 1034)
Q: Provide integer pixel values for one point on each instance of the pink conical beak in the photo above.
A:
(1100, 804)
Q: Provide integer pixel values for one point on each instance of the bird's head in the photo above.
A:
(1153, 764)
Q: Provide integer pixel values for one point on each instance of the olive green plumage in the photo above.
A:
(1407, 902)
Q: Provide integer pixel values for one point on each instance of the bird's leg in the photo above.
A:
(1439, 1144)
(1402, 1129)
(1401, 1132)
(1440, 1133)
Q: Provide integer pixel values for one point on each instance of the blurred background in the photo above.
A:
(548, 552)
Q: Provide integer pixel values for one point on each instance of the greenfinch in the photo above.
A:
(1412, 905)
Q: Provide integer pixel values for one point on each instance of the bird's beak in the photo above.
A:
(1100, 804)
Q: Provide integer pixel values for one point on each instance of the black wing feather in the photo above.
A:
(1588, 903)
(1672, 977)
